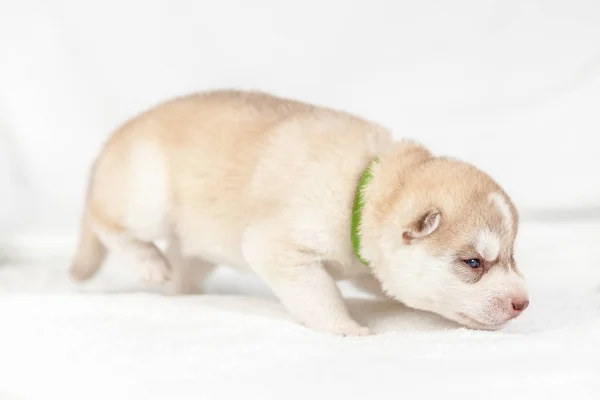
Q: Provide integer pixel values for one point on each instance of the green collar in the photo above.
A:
(357, 209)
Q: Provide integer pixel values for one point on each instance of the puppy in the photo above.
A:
(302, 196)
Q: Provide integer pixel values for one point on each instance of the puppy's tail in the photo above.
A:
(91, 252)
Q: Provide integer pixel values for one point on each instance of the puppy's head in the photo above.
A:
(441, 238)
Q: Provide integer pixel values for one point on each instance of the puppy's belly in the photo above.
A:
(215, 246)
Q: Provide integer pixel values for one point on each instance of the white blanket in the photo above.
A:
(116, 339)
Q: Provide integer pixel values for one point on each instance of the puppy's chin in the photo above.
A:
(473, 323)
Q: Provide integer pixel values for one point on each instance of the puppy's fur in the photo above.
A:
(251, 180)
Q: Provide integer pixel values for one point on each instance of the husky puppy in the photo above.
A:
(302, 196)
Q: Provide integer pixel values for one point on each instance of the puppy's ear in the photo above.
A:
(422, 226)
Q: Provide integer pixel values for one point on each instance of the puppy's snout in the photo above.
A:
(519, 305)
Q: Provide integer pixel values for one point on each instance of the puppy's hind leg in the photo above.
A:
(188, 273)
(128, 205)
(144, 255)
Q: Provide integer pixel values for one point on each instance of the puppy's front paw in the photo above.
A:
(355, 330)
(349, 328)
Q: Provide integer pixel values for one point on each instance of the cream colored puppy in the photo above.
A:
(303, 196)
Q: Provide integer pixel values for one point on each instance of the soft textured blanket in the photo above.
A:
(116, 339)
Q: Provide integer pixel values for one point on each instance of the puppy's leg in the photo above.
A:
(305, 289)
(188, 273)
(144, 255)
(311, 296)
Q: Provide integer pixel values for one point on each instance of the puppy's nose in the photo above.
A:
(520, 305)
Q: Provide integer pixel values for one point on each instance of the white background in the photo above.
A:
(513, 86)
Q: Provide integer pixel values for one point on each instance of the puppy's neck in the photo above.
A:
(381, 193)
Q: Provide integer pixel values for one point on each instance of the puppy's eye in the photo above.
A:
(473, 263)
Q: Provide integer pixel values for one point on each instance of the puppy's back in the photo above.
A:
(187, 159)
